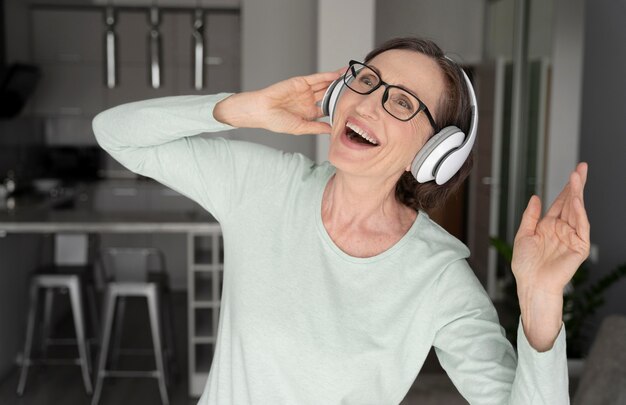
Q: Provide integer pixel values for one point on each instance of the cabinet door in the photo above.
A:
(222, 53)
(134, 85)
(133, 28)
(69, 130)
(72, 89)
(67, 36)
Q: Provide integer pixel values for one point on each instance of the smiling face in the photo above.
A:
(390, 144)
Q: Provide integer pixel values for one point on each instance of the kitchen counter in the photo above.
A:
(51, 221)
(107, 207)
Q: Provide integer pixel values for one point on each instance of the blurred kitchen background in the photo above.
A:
(549, 79)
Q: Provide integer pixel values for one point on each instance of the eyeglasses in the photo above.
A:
(397, 101)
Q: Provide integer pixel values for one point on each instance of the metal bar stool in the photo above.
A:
(128, 271)
(72, 284)
(69, 275)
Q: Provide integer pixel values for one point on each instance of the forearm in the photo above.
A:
(542, 316)
(156, 121)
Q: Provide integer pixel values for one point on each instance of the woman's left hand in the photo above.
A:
(546, 253)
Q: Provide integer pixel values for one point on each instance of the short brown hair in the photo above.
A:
(454, 109)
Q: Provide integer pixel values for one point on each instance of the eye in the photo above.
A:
(403, 102)
(367, 80)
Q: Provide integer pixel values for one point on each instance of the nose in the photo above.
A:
(370, 105)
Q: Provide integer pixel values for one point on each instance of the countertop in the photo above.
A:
(76, 210)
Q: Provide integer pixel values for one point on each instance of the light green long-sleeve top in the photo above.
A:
(301, 321)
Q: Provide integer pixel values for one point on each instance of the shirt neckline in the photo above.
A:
(343, 255)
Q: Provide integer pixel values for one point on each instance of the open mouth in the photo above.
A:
(358, 135)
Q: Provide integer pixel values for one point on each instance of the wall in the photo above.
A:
(278, 42)
(499, 30)
(565, 95)
(603, 142)
(354, 44)
(455, 25)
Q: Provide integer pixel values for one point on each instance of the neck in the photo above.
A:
(364, 202)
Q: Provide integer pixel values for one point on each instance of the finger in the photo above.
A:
(572, 185)
(577, 180)
(321, 86)
(530, 218)
(558, 209)
(583, 169)
(319, 95)
(316, 78)
(312, 127)
(317, 114)
(557, 206)
(583, 228)
(576, 192)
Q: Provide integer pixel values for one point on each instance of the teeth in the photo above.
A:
(361, 132)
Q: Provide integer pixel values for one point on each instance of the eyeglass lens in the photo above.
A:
(398, 102)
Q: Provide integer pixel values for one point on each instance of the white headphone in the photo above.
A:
(442, 155)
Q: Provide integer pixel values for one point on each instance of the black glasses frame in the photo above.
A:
(422, 106)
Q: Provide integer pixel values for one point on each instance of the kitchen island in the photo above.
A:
(22, 231)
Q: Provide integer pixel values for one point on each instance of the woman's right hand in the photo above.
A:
(288, 107)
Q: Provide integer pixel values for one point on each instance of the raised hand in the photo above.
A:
(289, 106)
(546, 253)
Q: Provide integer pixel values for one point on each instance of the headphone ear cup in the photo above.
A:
(427, 161)
(329, 101)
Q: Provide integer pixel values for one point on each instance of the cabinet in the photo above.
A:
(67, 36)
(68, 44)
(205, 278)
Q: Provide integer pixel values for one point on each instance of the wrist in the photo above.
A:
(239, 110)
(222, 111)
(542, 316)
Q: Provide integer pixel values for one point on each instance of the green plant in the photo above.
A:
(580, 300)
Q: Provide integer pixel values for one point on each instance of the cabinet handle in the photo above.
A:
(155, 49)
(110, 39)
(198, 38)
(213, 60)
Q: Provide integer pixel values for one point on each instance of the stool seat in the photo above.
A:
(85, 272)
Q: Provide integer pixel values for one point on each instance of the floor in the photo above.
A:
(63, 384)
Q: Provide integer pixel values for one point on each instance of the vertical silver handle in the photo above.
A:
(155, 48)
(110, 46)
(198, 49)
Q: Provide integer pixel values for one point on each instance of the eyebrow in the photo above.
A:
(375, 69)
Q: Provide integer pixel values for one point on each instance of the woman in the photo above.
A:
(336, 283)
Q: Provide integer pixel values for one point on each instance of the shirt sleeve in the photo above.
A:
(158, 138)
(471, 346)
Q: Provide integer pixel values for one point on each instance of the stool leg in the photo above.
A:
(108, 309)
(30, 330)
(170, 339)
(119, 326)
(155, 326)
(47, 321)
(93, 312)
(79, 325)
